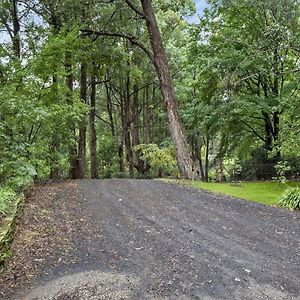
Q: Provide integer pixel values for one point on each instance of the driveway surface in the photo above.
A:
(145, 239)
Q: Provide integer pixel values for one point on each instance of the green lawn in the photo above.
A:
(264, 192)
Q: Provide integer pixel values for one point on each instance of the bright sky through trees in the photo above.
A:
(200, 6)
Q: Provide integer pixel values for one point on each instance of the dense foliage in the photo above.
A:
(290, 198)
(80, 95)
(7, 196)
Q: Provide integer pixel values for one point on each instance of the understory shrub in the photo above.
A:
(7, 195)
(290, 198)
(17, 174)
(162, 160)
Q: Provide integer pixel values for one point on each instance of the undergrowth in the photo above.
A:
(290, 198)
(7, 195)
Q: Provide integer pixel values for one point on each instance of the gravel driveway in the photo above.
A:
(145, 239)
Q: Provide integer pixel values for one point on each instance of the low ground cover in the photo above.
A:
(267, 192)
(7, 196)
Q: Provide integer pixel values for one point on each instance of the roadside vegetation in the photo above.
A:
(291, 198)
(7, 195)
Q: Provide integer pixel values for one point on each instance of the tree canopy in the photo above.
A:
(126, 88)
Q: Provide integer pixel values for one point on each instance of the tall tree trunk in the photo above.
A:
(198, 155)
(276, 134)
(122, 138)
(73, 161)
(268, 132)
(121, 158)
(146, 117)
(93, 138)
(160, 62)
(276, 95)
(109, 107)
(138, 163)
(127, 126)
(135, 116)
(207, 141)
(82, 129)
(219, 170)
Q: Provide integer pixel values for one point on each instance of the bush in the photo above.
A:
(17, 174)
(162, 160)
(6, 197)
(290, 198)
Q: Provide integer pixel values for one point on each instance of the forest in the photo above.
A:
(112, 88)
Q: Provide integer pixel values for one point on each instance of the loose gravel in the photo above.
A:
(146, 239)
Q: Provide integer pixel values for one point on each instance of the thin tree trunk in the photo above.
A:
(73, 161)
(93, 138)
(160, 62)
(219, 170)
(82, 129)
(16, 30)
(109, 106)
(135, 117)
(276, 134)
(121, 158)
(198, 156)
(127, 126)
(144, 116)
(207, 141)
(121, 142)
(276, 94)
(138, 163)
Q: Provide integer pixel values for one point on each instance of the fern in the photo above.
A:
(6, 197)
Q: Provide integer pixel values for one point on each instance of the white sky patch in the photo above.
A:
(200, 6)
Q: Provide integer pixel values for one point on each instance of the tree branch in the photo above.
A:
(103, 120)
(253, 130)
(130, 38)
(100, 82)
(135, 9)
(142, 87)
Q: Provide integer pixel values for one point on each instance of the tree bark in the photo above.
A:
(276, 134)
(121, 159)
(135, 117)
(82, 129)
(93, 138)
(198, 156)
(207, 141)
(109, 107)
(219, 170)
(73, 161)
(16, 30)
(127, 126)
(160, 62)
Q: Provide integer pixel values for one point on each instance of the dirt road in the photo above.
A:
(143, 239)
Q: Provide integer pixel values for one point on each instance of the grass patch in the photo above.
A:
(263, 192)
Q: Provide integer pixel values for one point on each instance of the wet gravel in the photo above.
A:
(145, 239)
